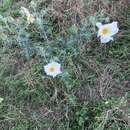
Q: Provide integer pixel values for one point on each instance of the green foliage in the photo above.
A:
(24, 36)
(5, 4)
(90, 94)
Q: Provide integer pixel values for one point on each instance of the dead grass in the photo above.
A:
(73, 12)
(97, 74)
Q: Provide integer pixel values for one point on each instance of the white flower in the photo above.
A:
(107, 31)
(1, 99)
(53, 69)
(30, 18)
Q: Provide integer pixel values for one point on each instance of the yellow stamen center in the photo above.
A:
(105, 31)
(51, 69)
(30, 19)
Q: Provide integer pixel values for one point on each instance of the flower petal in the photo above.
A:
(113, 27)
(106, 39)
(99, 25)
(25, 10)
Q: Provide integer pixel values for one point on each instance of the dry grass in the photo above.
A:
(75, 11)
(88, 95)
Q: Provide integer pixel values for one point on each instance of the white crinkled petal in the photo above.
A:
(113, 27)
(46, 69)
(58, 68)
(25, 10)
(99, 25)
(106, 39)
(56, 73)
(98, 34)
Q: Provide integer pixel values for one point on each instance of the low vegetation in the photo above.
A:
(91, 93)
